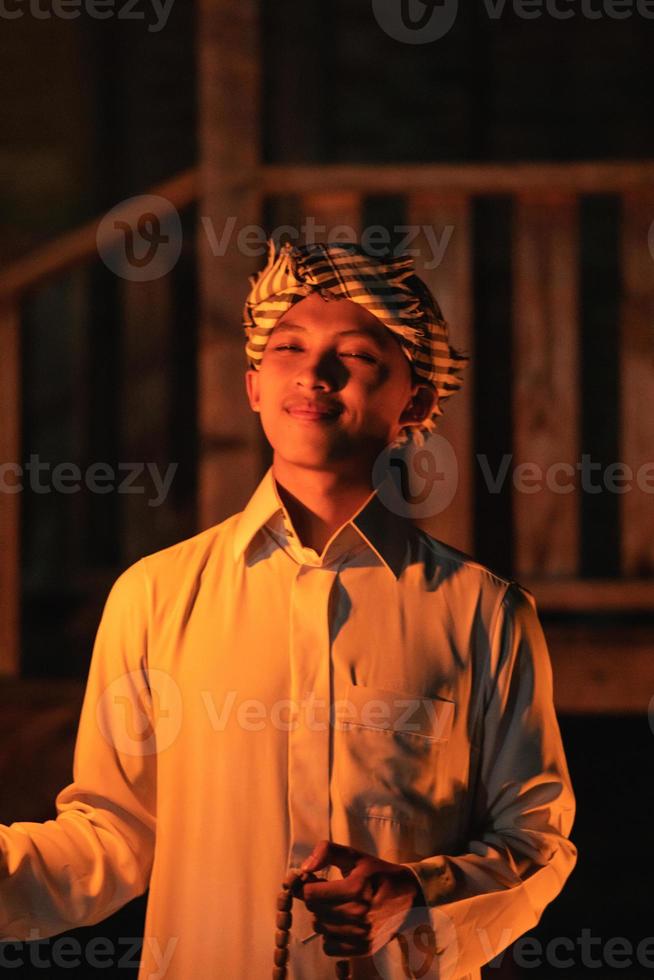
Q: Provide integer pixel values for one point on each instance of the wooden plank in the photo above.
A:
(545, 396)
(584, 660)
(38, 722)
(283, 218)
(10, 455)
(637, 384)
(82, 244)
(181, 190)
(82, 338)
(332, 215)
(229, 137)
(444, 263)
(592, 595)
(146, 351)
(499, 178)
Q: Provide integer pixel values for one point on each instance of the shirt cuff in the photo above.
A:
(436, 880)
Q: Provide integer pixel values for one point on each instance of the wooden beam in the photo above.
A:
(592, 595)
(546, 384)
(229, 114)
(10, 456)
(83, 244)
(498, 178)
(637, 384)
(601, 669)
(335, 215)
(584, 177)
(183, 189)
(444, 262)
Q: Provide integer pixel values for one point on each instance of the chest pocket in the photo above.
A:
(391, 751)
(397, 713)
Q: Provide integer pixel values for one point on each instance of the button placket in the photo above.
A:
(309, 735)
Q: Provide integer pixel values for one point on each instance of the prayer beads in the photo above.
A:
(284, 921)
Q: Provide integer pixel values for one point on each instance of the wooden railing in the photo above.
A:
(545, 345)
(16, 281)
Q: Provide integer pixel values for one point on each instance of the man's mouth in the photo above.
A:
(314, 412)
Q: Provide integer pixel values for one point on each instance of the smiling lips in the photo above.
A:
(308, 411)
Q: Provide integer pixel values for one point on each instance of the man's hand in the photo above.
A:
(358, 914)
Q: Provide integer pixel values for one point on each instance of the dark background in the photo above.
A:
(93, 112)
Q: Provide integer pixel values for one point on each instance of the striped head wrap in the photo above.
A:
(388, 288)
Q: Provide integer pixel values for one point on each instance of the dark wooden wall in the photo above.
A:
(339, 89)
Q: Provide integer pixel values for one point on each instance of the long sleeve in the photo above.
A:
(97, 854)
(519, 855)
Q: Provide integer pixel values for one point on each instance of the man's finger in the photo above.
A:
(327, 853)
(338, 947)
(350, 914)
(347, 931)
(343, 891)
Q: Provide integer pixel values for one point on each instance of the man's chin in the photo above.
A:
(334, 455)
(315, 453)
(311, 458)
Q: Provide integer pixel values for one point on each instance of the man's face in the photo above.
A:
(334, 385)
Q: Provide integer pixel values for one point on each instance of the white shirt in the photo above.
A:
(206, 763)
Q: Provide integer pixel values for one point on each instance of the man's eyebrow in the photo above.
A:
(363, 332)
(287, 325)
(358, 331)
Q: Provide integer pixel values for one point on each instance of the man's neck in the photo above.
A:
(319, 501)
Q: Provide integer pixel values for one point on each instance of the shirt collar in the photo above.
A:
(386, 533)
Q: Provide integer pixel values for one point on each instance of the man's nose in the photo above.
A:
(322, 371)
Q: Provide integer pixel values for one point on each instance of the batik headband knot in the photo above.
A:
(388, 288)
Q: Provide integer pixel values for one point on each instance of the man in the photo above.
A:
(314, 682)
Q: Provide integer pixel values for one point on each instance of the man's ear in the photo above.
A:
(252, 388)
(420, 406)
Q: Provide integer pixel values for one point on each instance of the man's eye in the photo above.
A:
(360, 355)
